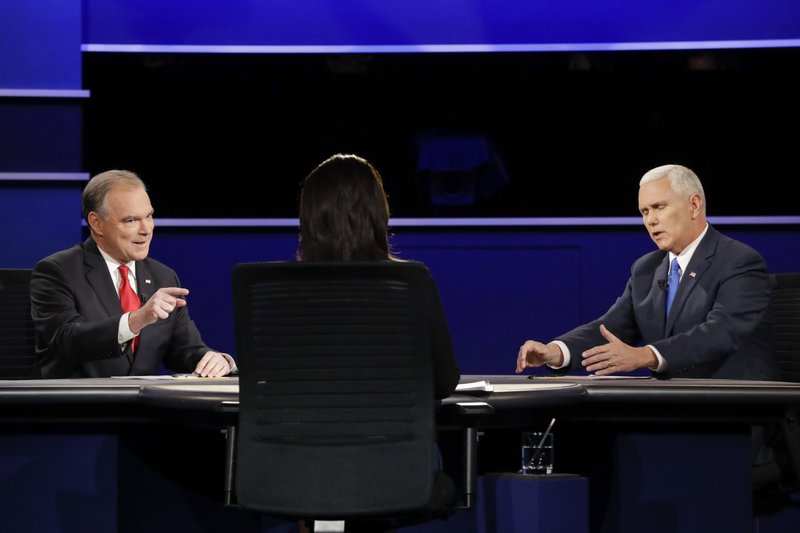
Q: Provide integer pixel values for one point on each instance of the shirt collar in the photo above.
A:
(686, 255)
(112, 265)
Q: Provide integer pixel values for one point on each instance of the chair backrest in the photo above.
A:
(17, 342)
(785, 315)
(336, 399)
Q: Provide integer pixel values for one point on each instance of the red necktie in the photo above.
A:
(128, 298)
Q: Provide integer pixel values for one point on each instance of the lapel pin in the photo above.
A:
(148, 281)
(691, 274)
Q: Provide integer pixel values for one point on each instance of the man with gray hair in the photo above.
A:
(104, 308)
(694, 308)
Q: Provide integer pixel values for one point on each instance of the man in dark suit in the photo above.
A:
(81, 327)
(716, 326)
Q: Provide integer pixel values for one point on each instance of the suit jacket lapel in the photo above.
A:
(144, 281)
(701, 260)
(99, 279)
(659, 289)
(145, 288)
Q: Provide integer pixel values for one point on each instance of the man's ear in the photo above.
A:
(697, 205)
(95, 223)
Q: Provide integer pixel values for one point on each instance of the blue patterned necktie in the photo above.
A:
(672, 284)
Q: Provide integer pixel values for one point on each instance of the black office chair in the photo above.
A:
(17, 344)
(337, 411)
(785, 317)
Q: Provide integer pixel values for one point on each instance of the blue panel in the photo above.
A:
(498, 287)
(56, 482)
(533, 504)
(500, 296)
(38, 219)
(419, 22)
(204, 261)
(674, 477)
(501, 288)
(40, 44)
(39, 137)
(779, 247)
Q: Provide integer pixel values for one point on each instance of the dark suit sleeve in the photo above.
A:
(619, 320)
(176, 340)
(186, 346)
(65, 340)
(445, 370)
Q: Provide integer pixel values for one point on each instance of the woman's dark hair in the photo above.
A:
(344, 212)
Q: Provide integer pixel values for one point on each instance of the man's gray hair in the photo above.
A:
(95, 193)
(682, 180)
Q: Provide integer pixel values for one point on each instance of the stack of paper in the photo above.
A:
(473, 386)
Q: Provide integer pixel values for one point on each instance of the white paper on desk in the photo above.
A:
(479, 386)
(569, 377)
(157, 376)
(595, 376)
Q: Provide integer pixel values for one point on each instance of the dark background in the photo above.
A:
(223, 135)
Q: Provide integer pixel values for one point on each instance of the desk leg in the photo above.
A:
(231, 432)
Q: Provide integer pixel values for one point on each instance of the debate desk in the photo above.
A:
(148, 454)
(661, 455)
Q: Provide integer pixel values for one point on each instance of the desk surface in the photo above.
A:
(200, 394)
(67, 402)
(522, 392)
(511, 392)
(70, 391)
(650, 390)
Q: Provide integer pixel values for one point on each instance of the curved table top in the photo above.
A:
(644, 389)
(204, 395)
(528, 392)
(507, 393)
(77, 401)
(69, 391)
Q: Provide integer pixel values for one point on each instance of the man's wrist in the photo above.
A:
(562, 354)
(656, 361)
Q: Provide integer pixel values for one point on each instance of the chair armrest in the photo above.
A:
(464, 413)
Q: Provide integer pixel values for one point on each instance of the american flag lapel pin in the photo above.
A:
(691, 274)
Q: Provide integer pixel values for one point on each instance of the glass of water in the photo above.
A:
(538, 453)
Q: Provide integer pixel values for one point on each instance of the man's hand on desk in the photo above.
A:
(616, 356)
(535, 353)
(215, 364)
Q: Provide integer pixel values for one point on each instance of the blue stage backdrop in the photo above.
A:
(40, 45)
(499, 286)
(422, 24)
